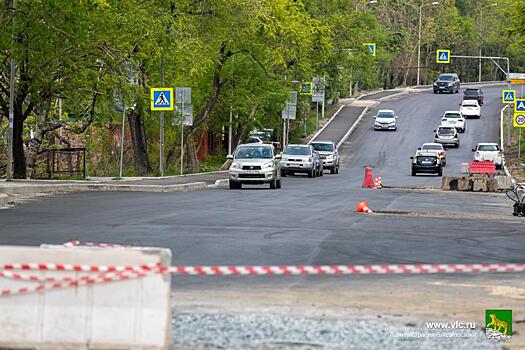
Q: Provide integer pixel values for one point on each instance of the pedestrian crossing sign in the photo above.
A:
(371, 48)
(442, 56)
(161, 99)
(508, 96)
(519, 105)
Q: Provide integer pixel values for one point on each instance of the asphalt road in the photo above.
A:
(419, 114)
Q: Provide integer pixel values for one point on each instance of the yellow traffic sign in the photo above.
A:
(517, 81)
(508, 96)
(442, 56)
(371, 48)
(519, 120)
(162, 99)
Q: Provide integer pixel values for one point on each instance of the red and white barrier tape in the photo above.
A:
(76, 268)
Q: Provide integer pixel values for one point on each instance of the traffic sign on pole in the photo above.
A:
(371, 48)
(519, 120)
(162, 99)
(508, 96)
(519, 105)
(442, 56)
(305, 88)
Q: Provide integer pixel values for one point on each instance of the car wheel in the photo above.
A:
(444, 162)
(414, 172)
(321, 173)
(499, 166)
(234, 185)
(311, 173)
(337, 169)
(278, 183)
(440, 172)
(332, 170)
(283, 173)
(435, 91)
(273, 184)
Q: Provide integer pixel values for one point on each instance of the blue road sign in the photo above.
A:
(442, 56)
(520, 105)
(508, 96)
(162, 99)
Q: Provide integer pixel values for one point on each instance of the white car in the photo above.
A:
(436, 148)
(489, 151)
(455, 119)
(385, 119)
(470, 109)
(448, 136)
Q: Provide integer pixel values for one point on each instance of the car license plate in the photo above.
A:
(251, 171)
(426, 162)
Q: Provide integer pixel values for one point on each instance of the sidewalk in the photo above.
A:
(135, 184)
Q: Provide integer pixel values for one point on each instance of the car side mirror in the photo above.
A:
(434, 130)
(278, 156)
(473, 150)
(411, 157)
(229, 157)
(419, 149)
(396, 116)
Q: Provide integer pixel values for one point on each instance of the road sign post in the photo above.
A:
(442, 56)
(183, 99)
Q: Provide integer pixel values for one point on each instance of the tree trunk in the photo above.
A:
(193, 162)
(19, 160)
(138, 138)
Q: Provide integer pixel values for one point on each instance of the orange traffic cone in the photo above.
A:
(362, 207)
(368, 182)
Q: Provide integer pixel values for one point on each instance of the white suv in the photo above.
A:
(255, 163)
(455, 119)
(489, 151)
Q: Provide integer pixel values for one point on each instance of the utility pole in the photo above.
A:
(419, 37)
(161, 148)
(122, 138)
(9, 174)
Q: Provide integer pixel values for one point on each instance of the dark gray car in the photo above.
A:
(448, 82)
(328, 152)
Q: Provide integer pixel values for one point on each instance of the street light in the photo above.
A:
(419, 36)
(481, 35)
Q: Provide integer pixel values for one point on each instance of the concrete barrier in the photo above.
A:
(128, 314)
(476, 183)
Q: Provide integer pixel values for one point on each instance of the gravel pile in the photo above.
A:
(193, 330)
(492, 334)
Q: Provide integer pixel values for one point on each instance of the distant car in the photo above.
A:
(448, 82)
(436, 148)
(255, 139)
(489, 151)
(470, 109)
(329, 154)
(318, 164)
(447, 136)
(255, 164)
(299, 159)
(385, 119)
(455, 119)
(473, 94)
(426, 162)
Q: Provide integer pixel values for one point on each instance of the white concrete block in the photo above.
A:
(133, 314)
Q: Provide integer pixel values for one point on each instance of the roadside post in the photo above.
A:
(289, 113)
(184, 109)
(519, 119)
(318, 96)
(161, 100)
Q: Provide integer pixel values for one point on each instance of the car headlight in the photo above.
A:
(235, 166)
(310, 159)
(268, 165)
(329, 157)
(450, 84)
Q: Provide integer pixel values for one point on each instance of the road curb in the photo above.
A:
(82, 187)
(352, 128)
(4, 200)
(221, 183)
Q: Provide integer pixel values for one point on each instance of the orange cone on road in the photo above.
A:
(368, 182)
(362, 207)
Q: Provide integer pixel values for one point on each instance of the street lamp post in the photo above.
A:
(419, 37)
(481, 36)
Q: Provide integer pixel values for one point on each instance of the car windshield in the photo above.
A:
(253, 152)
(471, 92)
(488, 148)
(323, 147)
(426, 158)
(446, 131)
(446, 77)
(297, 150)
(452, 115)
(383, 114)
(432, 147)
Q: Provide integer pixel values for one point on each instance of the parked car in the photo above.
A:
(385, 119)
(448, 82)
(447, 136)
(455, 119)
(255, 139)
(473, 94)
(436, 148)
(298, 159)
(255, 164)
(470, 109)
(319, 171)
(329, 154)
(426, 162)
(489, 151)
